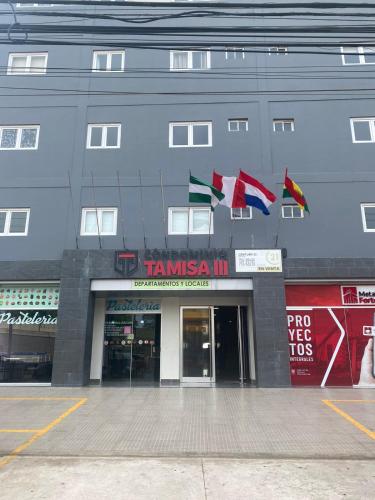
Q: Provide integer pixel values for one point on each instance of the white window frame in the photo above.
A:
(242, 217)
(30, 5)
(283, 121)
(278, 51)
(190, 126)
(105, 127)
(190, 60)
(363, 214)
(238, 120)
(99, 213)
(8, 218)
(26, 71)
(109, 54)
(240, 51)
(370, 121)
(360, 50)
(19, 129)
(292, 206)
(189, 211)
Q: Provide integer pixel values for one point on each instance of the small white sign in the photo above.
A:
(369, 331)
(259, 261)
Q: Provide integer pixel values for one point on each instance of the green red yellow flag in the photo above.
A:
(292, 190)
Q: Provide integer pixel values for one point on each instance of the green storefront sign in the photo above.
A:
(168, 284)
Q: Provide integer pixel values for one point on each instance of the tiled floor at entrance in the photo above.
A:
(195, 422)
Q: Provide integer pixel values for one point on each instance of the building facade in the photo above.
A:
(109, 275)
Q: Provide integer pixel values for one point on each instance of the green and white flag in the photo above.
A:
(201, 192)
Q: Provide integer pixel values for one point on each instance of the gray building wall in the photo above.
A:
(62, 176)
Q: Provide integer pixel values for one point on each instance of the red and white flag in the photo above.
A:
(233, 190)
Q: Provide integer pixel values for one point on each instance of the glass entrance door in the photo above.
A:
(198, 361)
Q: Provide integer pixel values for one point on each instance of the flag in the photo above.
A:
(256, 195)
(233, 190)
(201, 192)
(292, 190)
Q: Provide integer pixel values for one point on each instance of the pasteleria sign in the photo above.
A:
(132, 306)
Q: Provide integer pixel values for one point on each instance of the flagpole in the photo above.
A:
(209, 227)
(163, 209)
(96, 210)
(280, 212)
(142, 212)
(122, 222)
(188, 228)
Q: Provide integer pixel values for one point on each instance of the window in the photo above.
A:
(35, 5)
(16, 137)
(103, 136)
(238, 125)
(106, 218)
(109, 60)
(282, 125)
(190, 134)
(278, 51)
(358, 55)
(183, 60)
(198, 220)
(291, 212)
(363, 129)
(368, 217)
(27, 64)
(241, 213)
(14, 221)
(234, 53)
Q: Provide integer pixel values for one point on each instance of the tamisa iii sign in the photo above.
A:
(258, 261)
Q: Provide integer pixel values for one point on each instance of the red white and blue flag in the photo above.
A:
(256, 195)
(233, 190)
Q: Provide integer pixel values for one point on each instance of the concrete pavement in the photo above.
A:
(170, 443)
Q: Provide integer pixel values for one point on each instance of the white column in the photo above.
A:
(170, 339)
(97, 340)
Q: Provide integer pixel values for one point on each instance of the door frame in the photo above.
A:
(198, 380)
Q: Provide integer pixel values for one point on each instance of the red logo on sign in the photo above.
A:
(349, 295)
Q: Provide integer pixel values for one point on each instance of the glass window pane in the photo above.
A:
(3, 216)
(370, 217)
(199, 60)
(287, 212)
(180, 135)
(233, 126)
(180, 60)
(236, 213)
(112, 136)
(108, 219)
(246, 212)
(37, 64)
(18, 222)
(91, 222)
(9, 138)
(369, 53)
(362, 131)
(200, 134)
(18, 64)
(351, 55)
(96, 136)
(278, 126)
(242, 126)
(116, 62)
(180, 221)
(287, 126)
(28, 137)
(101, 62)
(200, 221)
